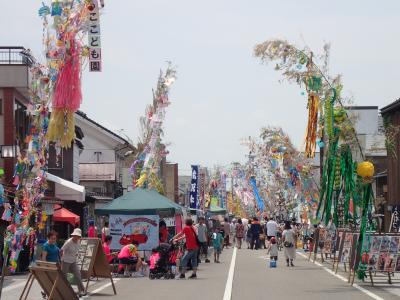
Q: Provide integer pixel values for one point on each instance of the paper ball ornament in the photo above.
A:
(365, 169)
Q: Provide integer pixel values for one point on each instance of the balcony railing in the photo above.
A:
(15, 56)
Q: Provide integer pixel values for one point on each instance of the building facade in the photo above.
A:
(391, 113)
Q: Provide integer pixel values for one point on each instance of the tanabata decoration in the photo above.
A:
(152, 148)
(56, 82)
(65, 24)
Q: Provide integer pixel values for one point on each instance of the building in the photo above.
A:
(103, 163)
(368, 124)
(170, 180)
(14, 99)
(391, 113)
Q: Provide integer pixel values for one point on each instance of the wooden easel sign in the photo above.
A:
(52, 281)
(93, 262)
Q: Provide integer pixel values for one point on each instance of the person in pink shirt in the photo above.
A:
(129, 258)
(92, 231)
(111, 256)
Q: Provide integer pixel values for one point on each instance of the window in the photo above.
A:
(21, 123)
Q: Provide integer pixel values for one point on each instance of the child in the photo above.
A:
(273, 249)
(217, 244)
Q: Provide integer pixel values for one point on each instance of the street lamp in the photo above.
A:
(8, 151)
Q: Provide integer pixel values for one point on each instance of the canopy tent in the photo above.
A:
(216, 210)
(140, 202)
(64, 215)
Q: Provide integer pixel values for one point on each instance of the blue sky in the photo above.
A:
(223, 93)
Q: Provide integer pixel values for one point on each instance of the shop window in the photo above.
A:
(21, 123)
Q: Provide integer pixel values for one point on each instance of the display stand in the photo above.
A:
(52, 281)
(93, 262)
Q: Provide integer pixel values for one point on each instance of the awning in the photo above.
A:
(64, 215)
(97, 171)
(67, 190)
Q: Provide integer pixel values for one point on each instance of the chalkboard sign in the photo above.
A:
(51, 280)
(92, 261)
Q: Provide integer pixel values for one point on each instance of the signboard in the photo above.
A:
(94, 37)
(51, 280)
(92, 261)
(395, 219)
(194, 188)
(142, 229)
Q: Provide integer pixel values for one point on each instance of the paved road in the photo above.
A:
(252, 279)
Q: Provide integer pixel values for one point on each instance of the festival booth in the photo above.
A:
(135, 217)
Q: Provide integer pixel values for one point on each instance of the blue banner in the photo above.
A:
(260, 202)
(194, 188)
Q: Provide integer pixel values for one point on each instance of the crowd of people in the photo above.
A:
(185, 250)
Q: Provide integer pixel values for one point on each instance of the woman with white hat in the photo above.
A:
(69, 253)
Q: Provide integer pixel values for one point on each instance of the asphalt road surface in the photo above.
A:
(246, 276)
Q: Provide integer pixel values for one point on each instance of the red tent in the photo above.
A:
(64, 215)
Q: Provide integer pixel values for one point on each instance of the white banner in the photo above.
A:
(126, 229)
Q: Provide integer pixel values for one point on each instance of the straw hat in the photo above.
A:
(77, 232)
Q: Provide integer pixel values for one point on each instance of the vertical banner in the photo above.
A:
(94, 37)
(223, 190)
(194, 187)
(202, 188)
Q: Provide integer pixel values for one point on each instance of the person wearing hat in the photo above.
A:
(69, 253)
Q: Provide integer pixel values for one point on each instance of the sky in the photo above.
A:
(222, 93)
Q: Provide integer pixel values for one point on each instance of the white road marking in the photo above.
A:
(361, 289)
(229, 281)
(103, 287)
(14, 286)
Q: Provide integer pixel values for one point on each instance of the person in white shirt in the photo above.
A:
(69, 253)
(272, 228)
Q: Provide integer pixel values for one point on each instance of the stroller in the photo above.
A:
(162, 261)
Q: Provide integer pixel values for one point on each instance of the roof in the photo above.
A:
(140, 202)
(391, 107)
(84, 116)
(360, 107)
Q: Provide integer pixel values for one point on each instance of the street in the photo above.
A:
(252, 279)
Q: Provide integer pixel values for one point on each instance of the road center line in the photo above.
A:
(103, 287)
(361, 289)
(229, 281)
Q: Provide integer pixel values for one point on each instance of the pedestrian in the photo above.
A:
(111, 256)
(233, 231)
(273, 249)
(163, 232)
(248, 236)
(255, 229)
(51, 252)
(227, 232)
(92, 231)
(129, 259)
(201, 229)
(289, 239)
(218, 241)
(189, 234)
(105, 231)
(239, 230)
(272, 228)
(69, 253)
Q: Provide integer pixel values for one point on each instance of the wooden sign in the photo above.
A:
(52, 281)
(93, 262)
